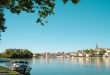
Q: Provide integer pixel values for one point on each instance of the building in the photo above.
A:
(97, 49)
(107, 54)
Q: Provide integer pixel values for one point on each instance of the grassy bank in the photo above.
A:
(6, 70)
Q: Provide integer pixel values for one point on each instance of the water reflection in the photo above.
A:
(49, 66)
(97, 61)
(63, 66)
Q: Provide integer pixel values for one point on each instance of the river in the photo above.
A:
(68, 66)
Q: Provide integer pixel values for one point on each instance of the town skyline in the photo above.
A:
(46, 51)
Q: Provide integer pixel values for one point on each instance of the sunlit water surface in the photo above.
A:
(68, 66)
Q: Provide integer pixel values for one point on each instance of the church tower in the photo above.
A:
(97, 47)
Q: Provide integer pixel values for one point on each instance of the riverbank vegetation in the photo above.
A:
(7, 71)
(95, 53)
(37, 55)
(16, 53)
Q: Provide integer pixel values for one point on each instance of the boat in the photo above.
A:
(20, 66)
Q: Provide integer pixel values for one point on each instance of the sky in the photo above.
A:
(72, 28)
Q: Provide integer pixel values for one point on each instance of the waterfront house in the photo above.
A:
(81, 54)
(87, 55)
(107, 54)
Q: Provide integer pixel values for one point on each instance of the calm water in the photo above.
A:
(69, 66)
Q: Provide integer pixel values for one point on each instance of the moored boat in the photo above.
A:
(20, 66)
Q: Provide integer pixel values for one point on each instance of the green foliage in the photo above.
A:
(86, 51)
(1, 55)
(93, 53)
(43, 8)
(102, 52)
(17, 53)
(37, 55)
(9, 71)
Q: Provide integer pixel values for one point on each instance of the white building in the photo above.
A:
(81, 54)
(107, 52)
(87, 55)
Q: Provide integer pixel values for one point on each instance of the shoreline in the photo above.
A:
(6, 71)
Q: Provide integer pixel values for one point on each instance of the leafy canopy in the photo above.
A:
(16, 53)
(43, 8)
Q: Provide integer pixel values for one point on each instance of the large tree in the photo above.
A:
(43, 8)
(17, 53)
(102, 52)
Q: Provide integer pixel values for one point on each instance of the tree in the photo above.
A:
(92, 52)
(86, 51)
(43, 8)
(17, 53)
(102, 52)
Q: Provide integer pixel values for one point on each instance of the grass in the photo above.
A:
(9, 71)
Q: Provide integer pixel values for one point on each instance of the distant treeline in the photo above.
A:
(16, 53)
(94, 53)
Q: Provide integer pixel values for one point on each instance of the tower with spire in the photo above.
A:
(97, 47)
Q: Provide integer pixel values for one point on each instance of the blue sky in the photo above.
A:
(72, 27)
